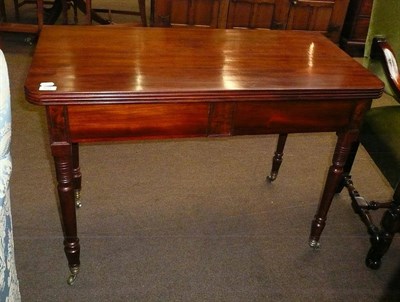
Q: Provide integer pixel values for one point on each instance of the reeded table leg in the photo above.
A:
(63, 153)
(335, 174)
(63, 160)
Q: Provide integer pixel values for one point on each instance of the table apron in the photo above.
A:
(197, 119)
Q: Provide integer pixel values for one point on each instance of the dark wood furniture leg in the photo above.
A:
(380, 238)
(335, 174)
(142, 10)
(40, 14)
(88, 11)
(390, 225)
(64, 170)
(64, 11)
(63, 154)
(3, 14)
(278, 157)
(347, 167)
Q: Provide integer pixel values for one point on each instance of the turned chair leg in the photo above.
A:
(382, 237)
(390, 225)
(16, 9)
(278, 157)
(3, 14)
(142, 10)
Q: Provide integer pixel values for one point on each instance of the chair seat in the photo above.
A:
(380, 135)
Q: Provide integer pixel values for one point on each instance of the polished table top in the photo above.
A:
(118, 64)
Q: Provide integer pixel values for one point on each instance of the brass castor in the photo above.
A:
(74, 273)
(272, 177)
(314, 244)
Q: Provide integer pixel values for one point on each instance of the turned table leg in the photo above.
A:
(335, 174)
(63, 160)
(65, 156)
(278, 157)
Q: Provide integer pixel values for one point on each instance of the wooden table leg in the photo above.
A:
(64, 170)
(278, 157)
(343, 147)
(63, 154)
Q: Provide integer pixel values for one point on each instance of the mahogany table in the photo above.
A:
(117, 83)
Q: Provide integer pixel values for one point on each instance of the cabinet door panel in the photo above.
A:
(202, 13)
(366, 8)
(310, 15)
(205, 12)
(325, 16)
(179, 12)
(361, 30)
(251, 14)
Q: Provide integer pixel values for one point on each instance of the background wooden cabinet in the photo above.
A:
(326, 16)
(201, 13)
(355, 28)
(253, 14)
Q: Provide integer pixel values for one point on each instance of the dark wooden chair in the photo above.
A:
(50, 9)
(380, 136)
(22, 27)
(57, 7)
(92, 13)
(18, 4)
(380, 131)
